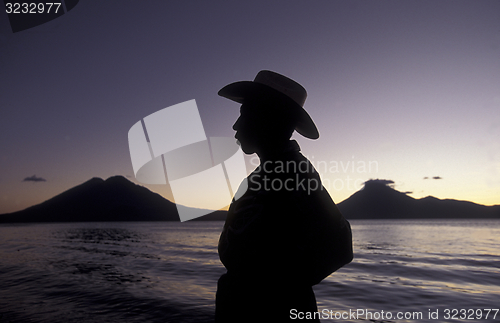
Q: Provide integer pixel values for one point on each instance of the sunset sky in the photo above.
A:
(409, 89)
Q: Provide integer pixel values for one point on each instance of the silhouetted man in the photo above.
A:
(284, 234)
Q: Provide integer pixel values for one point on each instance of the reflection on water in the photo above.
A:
(414, 265)
(98, 235)
(167, 272)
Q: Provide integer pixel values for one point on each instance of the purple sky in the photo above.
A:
(407, 89)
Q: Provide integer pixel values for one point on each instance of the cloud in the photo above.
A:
(434, 177)
(34, 179)
(386, 182)
(380, 181)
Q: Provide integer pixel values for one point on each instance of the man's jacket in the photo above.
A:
(285, 227)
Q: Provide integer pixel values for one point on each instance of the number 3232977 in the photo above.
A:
(470, 314)
(47, 7)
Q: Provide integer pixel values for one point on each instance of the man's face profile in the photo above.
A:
(249, 128)
(261, 127)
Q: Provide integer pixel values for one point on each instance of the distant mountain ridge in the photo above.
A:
(118, 199)
(379, 201)
(113, 199)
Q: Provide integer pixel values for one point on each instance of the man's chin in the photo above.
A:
(247, 150)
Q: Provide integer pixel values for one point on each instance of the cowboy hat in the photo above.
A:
(270, 86)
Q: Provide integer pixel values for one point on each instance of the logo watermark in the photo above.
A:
(430, 314)
(203, 173)
(355, 172)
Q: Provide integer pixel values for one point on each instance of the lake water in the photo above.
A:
(426, 271)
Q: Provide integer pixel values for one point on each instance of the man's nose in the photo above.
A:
(236, 123)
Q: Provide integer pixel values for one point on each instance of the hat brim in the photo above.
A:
(243, 90)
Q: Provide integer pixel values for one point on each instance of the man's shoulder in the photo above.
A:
(291, 176)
